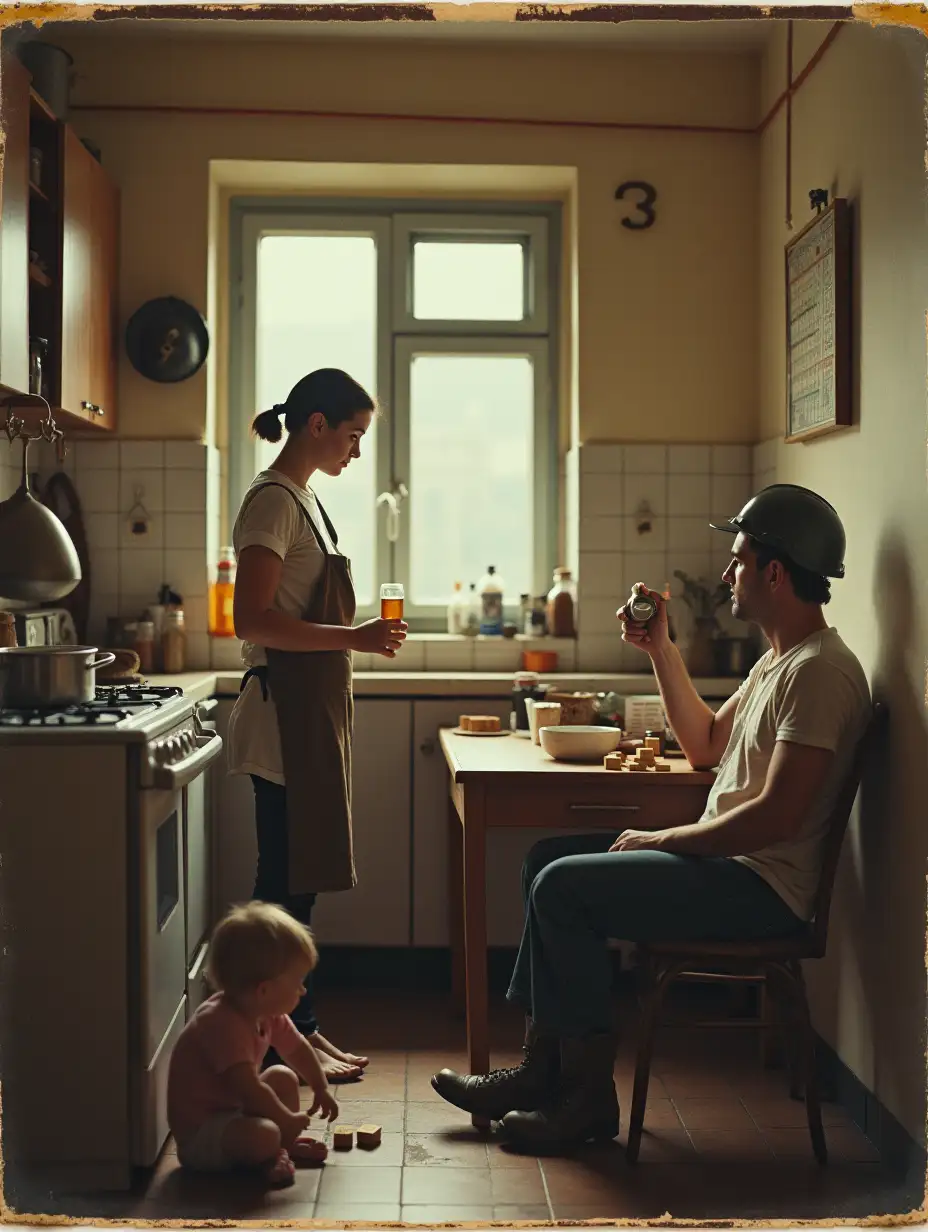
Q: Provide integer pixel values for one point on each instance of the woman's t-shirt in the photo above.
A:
(272, 519)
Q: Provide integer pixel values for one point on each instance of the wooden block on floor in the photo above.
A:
(343, 1137)
(654, 744)
(662, 765)
(369, 1135)
(614, 761)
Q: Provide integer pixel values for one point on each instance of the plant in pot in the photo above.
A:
(703, 600)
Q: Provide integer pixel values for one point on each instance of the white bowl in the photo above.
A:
(579, 743)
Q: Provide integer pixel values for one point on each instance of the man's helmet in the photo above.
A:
(796, 522)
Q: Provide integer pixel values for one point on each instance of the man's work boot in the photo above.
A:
(584, 1106)
(525, 1086)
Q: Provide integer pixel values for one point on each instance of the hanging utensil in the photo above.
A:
(38, 560)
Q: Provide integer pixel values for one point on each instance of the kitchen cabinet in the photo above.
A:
(88, 286)
(14, 224)
(505, 848)
(377, 911)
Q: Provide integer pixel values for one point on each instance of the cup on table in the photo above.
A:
(542, 714)
(391, 601)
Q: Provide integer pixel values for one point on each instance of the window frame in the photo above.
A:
(394, 223)
(406, 347)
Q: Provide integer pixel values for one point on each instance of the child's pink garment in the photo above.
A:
(216, 1038)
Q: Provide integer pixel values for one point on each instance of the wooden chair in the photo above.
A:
(774, 964)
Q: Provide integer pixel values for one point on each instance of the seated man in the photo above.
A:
(747, 869)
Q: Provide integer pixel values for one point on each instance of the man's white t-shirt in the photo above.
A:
(815, 694)
(272, 519)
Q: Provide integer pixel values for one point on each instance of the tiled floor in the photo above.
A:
(723, 1139)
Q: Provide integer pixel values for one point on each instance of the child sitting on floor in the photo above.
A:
(222, 1110)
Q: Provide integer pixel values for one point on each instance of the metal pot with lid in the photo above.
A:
(40, 677)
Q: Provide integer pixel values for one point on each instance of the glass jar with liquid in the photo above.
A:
(391, 601)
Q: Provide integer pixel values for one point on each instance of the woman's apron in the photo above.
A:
(315, 712)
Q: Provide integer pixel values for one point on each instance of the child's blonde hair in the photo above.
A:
(255, 942)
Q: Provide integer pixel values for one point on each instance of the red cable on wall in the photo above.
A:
(615, 125)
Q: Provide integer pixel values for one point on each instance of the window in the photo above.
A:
(445, 318)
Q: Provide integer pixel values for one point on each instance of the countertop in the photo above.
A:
(199, 685)
(482, 757)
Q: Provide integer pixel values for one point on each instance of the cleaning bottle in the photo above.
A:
(471, 611)
(491, 603)
(457, 616)
(221, 593)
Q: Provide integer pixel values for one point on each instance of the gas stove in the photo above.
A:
(113, 704)
(133, 712)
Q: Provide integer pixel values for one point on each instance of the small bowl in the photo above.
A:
(579, 743)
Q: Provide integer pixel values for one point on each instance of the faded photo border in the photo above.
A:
(912, 17)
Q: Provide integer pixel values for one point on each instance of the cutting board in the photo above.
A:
(60, 497)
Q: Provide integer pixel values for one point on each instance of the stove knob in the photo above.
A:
(174, 749)
(190, 743)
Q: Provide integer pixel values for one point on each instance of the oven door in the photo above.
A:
(162, 940)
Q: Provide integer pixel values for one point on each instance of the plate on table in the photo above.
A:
(459, 731)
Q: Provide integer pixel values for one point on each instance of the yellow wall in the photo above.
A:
(665, 319)
(859, 129)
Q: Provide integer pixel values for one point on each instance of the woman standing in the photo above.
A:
(290, 728)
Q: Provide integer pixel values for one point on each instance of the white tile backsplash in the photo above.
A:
(601, 535)
(645, 459)
(600, 575)
(601, 495)
(185, 571)
(637, 540)
(445, 655)
(143, 487)
(99, 491)
(645, 488)
(688, 496)
(185, 455)
(730, 494)
(185, 491)
(688, 459)
(185, 530)
(688, 535)
(96, 455)
(141, 455)
(141, 571)
(601, 459)
(731, 459)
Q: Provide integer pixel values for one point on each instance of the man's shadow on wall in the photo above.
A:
(882, 887)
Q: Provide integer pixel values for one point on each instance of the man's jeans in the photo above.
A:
(578, 895)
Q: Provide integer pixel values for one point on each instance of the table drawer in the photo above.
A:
(624, 806)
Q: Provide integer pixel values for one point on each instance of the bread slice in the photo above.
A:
(480, 723)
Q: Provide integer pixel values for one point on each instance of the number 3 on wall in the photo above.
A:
(645, 206)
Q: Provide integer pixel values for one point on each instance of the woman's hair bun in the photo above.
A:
(267, 425)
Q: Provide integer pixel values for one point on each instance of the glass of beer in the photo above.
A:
(391, 601)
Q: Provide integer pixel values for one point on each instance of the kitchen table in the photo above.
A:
(509, 781)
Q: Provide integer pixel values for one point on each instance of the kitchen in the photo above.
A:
(642, 452)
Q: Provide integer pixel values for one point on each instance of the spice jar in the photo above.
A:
(174, 642)
(144, 646)
(8, 629)
(561, 603)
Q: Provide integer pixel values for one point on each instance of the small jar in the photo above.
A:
(144, 646)
(174, 642)
(640, 608)
(562, 600)
(8, 629)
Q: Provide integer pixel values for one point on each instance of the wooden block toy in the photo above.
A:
(640, 767)
(343, 1137)
(614, 761)
(663, 766)
(645, 757)
(369, 1135)
(652, 743)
